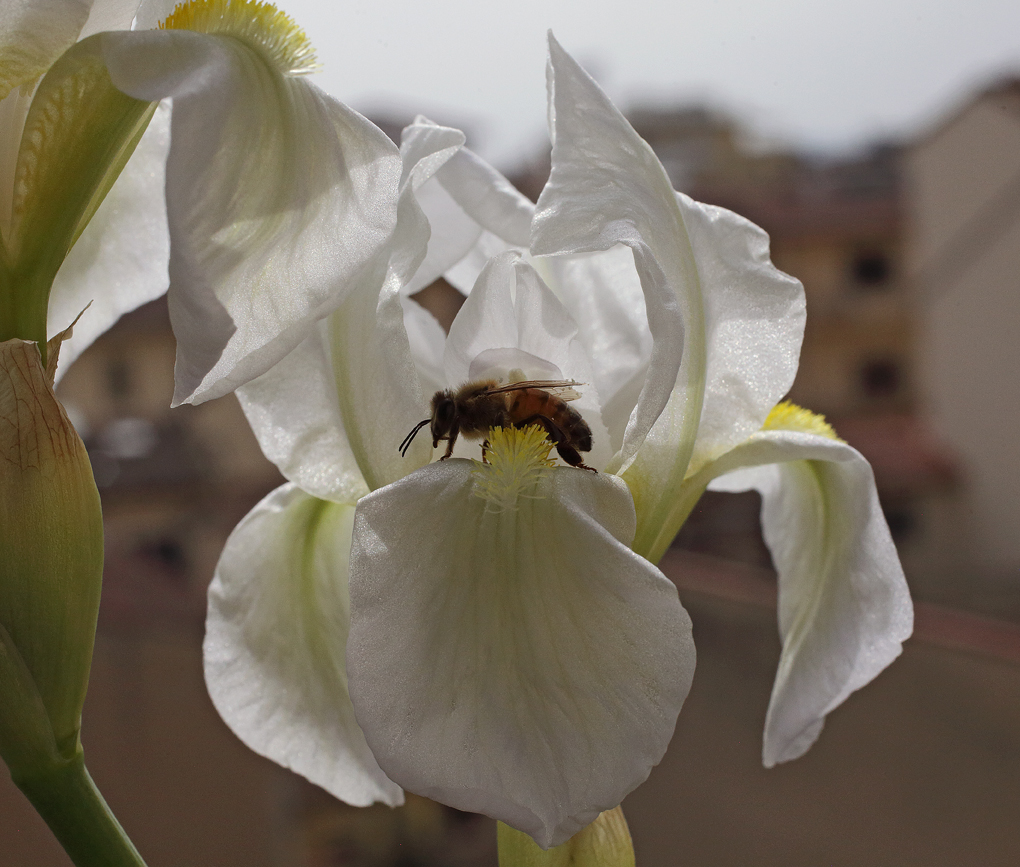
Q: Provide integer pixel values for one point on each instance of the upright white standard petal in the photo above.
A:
(510, 654)
(474, 212)
(606, 188)
(274, 644)
(279, 197)
(753, 327)
(844, 606)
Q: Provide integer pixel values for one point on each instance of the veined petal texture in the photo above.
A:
(844, 606)
(33, 34)
(521, 662)
(279, 199)
(274, 645)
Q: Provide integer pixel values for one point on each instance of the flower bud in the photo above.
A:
(604, 843)
(51, 539)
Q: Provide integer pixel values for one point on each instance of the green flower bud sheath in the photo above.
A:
(51, 535)
(604, 843)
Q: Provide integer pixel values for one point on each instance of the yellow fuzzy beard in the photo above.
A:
(517, 460)
(260, 25)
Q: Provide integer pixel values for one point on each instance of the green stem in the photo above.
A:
(65, 796)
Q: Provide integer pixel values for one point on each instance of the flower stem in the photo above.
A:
(67, 799)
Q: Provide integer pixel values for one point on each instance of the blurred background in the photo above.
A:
(879, 145)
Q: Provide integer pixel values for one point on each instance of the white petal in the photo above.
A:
(120, 260)
(33, 34)
(512, 317)
(427, 340)
(377, 383)
(603, 293)
(279, 198)
(109, 15)
(844, 607)
(293, 410)
(754, 325)
(274, 645)
(606, 188)
(521, 663)
(474, 212)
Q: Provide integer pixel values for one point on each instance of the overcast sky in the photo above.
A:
(810, 73)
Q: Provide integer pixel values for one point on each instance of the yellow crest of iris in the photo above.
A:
(517, 459)
(260, 25)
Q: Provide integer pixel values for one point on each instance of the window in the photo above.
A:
(880, 378)
(871, 270)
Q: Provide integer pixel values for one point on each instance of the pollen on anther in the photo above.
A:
(518, 458)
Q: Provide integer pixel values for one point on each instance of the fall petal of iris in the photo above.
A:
(844, 606)
(522, 663)
(279, 198)
(274, 645)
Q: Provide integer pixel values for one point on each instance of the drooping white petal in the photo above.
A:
(754, 325)
(844, 606)
(279, 198)
(293, 411)
(120, 260)
(33, 34)
(607, 187)
(274, 645)
(519, 662)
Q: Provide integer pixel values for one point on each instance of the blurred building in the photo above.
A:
(963, 208)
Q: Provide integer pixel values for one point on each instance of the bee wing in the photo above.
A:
(562, 388)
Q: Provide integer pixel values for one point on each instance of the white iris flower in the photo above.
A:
(276, 195)
(496, 636)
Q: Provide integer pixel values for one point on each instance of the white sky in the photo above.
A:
(825, 74)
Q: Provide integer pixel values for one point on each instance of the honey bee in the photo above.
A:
(474, 408)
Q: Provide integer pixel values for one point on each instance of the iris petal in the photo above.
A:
(844, 606)
(274, 646)
(279, 199)
(606, 188)
(519, 662)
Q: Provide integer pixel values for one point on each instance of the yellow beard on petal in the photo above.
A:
(518, 459)
(789, 416)
(260, 25)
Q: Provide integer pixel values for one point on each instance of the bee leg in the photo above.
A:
(573, 457)
(485, 451)
(559, 439)
(450, 441)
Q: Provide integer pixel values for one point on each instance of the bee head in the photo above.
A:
(444, 411)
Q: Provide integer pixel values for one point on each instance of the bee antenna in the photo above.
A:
(406, 444)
